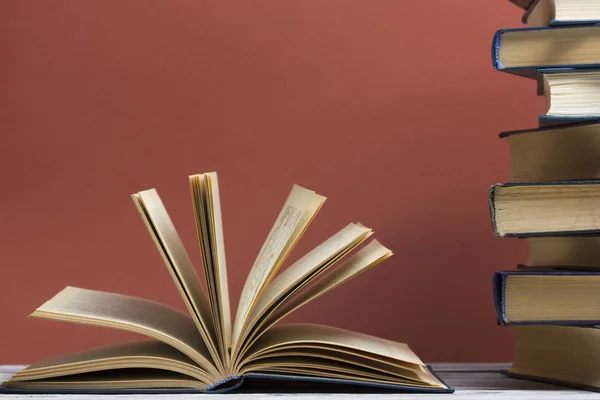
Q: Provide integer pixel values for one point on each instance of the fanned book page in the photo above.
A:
(208, 349)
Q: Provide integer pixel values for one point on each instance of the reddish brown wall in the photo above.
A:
(389, 108)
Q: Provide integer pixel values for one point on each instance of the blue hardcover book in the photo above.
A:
(550, 297)
(549, 208)
(522, 51)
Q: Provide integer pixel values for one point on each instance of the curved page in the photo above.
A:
(140, 354)
(308, 266)
(370, 255)
(297, 213)
(325, 351)
(162, 230)
(206, 202)
(303, 363)
(301, 273)
(331, 337)
(112, 380)
(128, 313)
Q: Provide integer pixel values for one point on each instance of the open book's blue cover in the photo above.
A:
(499, 290)
(260, 383)
(530, 71)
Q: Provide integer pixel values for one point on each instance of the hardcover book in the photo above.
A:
(547, 297)
(211, 350)
(569, 152)
(571, 93)
(522, 51)
(561, 355)
(522, 209)
(579, 252)
(561, 12)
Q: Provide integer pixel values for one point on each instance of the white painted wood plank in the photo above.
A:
(471, 381)
(469, 395)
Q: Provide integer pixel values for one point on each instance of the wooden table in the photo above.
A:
(471, 381)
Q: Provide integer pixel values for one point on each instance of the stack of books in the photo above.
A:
(552, 302)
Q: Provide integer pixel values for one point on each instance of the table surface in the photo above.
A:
(471, 381)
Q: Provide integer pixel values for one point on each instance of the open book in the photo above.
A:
(209, 349)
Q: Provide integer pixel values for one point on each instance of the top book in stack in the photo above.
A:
(560, 12)
(561, 51)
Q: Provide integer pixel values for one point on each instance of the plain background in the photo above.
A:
(391, 109)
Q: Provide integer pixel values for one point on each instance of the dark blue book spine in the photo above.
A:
(498, 291)
(559, 23)
(496, 50)
(547, 121)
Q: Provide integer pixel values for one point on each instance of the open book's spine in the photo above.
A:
(226, 385)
